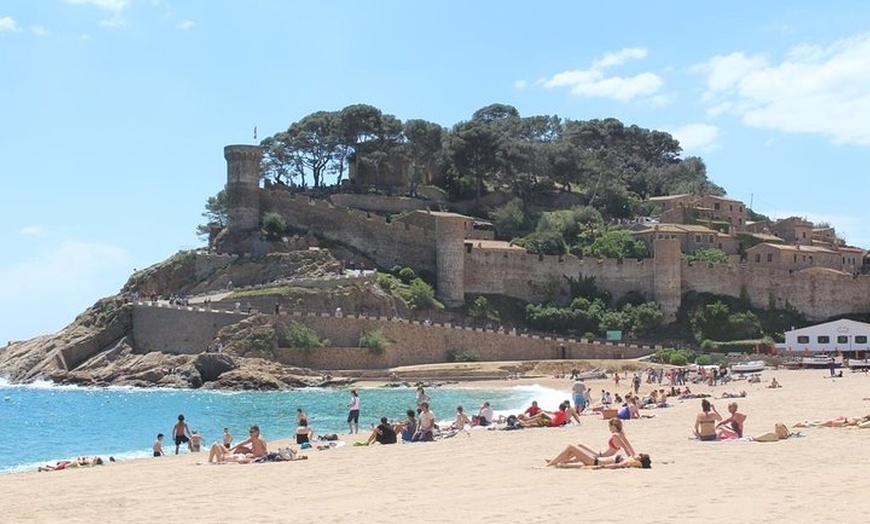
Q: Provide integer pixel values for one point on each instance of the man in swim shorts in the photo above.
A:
(181, 433)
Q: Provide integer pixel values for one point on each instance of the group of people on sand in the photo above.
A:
(181, 434)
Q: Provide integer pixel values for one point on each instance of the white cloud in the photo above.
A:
(114, 22)
(697, 137)
(33, 231)
(109, 5)
(66, 267)
(594, 82)
(813, 89)
(38, 30)
(187, 24)
(85, 36)
(7, 23)
(521, 84)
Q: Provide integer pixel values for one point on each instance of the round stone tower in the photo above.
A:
(450, 259)
(243, 188)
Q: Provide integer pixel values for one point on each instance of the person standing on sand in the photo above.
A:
(227, 439)
(181, 433)
(579, 391)
(158, 446)
(353, 413)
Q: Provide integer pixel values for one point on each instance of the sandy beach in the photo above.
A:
(496, 476)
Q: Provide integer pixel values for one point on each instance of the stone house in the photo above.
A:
(692, 238)
(680, 209)
(794, 257)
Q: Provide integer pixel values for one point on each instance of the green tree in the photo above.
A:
(709, 256)
(509, 219)
(215, 213)
(616, 243)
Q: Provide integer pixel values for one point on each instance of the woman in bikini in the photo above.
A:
(705, 422)
(732, 427)
(583, 454)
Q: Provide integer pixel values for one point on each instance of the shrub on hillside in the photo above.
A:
(421, 296)
(406, 275)
(463, 355)
(300, 336)
(374, 341)
(388, 282)
(273, 226)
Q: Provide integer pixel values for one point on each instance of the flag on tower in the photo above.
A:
(255, 132)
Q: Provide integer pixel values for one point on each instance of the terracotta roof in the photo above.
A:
(676, 228)
(796, 249)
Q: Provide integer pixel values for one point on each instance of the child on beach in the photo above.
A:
(228, 439)
(158, 446)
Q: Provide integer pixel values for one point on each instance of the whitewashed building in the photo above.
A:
(844, 336)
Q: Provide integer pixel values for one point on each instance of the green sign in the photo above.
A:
(615, 334)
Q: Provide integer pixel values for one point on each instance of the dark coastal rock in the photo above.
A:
(212, 365)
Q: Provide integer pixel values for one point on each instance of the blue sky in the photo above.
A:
(114, 113)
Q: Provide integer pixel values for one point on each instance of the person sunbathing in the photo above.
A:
(461, 420)
(244, 452)
(582, 454)
(732, 427)
(705, 422)
(77, 463)
(836, 422)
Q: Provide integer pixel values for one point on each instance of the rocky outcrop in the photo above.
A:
(97, 348)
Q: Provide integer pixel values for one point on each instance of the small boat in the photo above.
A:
(858, 363)
(751, 366)
(821, 360)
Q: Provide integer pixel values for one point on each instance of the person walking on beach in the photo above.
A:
(181, 433)
(353, 414)
(421, 398)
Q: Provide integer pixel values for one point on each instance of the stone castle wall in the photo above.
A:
(414, 343)
(381, 203)
(817, 293)
(179, 330)
(540, 277)
(189, 330)
(387, 243)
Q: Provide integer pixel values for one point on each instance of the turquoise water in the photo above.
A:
(42, 423)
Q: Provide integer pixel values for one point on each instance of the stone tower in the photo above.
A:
(450, 259)
(667, 284)
(243, 200)
(243, 188)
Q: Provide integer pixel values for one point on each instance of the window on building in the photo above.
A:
(842, 339)
(823, 339)
(730, 208)
(803, 339)
(711, 239)
(860, 339)
(757, 258)
(770, 257)
(740, 221)
(795, 258)
(698, 238)
(804, 234)
(740, 209)
(716, 205)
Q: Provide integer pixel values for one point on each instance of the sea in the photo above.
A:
(42, 423)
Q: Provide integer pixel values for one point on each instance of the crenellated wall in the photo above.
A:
(417, 343)
(189, 330)
(818, 293)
